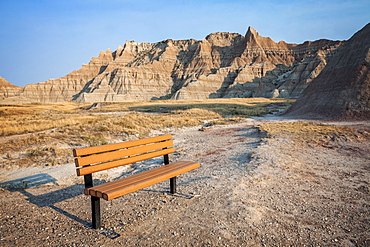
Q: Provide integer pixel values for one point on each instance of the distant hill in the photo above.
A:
(222, 65)
(342, 89)
(7, 89)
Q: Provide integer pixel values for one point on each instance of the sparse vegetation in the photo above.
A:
(96, 140)
(48, 132)
(28, 118)
(242, 107)
(313, 133)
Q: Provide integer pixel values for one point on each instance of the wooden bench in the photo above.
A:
(99, 158)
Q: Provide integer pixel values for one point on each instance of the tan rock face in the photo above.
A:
(342, 89)
(7, 89)
(221, 65)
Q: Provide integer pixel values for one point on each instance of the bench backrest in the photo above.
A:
(99, 158)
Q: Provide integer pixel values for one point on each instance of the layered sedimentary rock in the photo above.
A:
(66, 88)
(220, 65)
(342, 90)
(7, 89)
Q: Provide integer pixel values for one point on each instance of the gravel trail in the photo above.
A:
(249, 191)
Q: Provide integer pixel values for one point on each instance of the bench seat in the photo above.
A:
(120, 187)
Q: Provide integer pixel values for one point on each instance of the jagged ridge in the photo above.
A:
(221, 65)
(342, 90)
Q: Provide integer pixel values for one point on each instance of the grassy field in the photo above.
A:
(19, 119)
(34, 134)
(45, 134)
(313, 133)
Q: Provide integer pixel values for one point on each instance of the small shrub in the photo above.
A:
(35, 152)
(96, 140)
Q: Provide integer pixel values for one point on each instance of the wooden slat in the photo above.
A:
(148, 182)
(139, 181)
(134, 178)
(103, 157)
(116, 146)
(100, 167)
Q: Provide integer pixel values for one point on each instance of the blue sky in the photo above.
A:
(43, 39)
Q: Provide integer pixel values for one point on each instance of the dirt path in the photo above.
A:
(250, 191)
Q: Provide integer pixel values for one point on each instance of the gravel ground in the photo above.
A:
(249, 191)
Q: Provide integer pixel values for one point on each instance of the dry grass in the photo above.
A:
(54, 147)
(19, 119)
(28, 118)
(244, 107)
(313, 133)
(141, 124)
(126, 106)
(31, 123)
(18, 109)
(48, 132)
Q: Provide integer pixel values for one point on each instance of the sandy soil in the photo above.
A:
(249, 191)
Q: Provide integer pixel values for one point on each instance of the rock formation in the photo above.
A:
(7, 89)
(221, 65)
(342, 90)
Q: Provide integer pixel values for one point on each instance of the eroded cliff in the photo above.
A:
(220, 65)
(7, 89)
(342, 90)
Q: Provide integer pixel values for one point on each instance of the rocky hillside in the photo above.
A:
(221, 65)
(342, 90)
(7, 89)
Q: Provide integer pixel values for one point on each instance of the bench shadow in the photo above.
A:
(49, 199)
(28, 182)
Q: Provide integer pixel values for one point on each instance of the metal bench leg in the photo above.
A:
(173, 185)
(95, 210)
(172, 180)
(95, 203)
